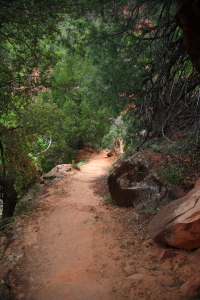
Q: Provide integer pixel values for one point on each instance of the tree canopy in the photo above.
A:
(27, 31)
(142, 59)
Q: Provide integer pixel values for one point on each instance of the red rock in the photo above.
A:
(195, 257)
(188, 159)
(163, 253)
(131, 242)
(178, 223)
(197, 183)
(191, 288)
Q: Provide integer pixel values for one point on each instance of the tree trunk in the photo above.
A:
(9, 197)
(188, 17)
(81, 144)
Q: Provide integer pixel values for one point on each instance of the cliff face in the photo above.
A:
(188, 17)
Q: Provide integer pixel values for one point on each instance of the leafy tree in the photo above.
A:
(142, 60)
(82, 121)
(21, 144)
(27, 29)
(116, 131)
(130, 56)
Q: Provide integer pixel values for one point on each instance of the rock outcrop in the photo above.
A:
(58, 171)
(136, 183)
(178, 223)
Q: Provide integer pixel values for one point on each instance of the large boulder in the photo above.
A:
(136, 183)
(178, 223)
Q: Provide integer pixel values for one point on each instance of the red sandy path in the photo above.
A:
(66, 257)
(74, 248)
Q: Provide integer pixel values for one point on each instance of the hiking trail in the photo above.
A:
(72, 247)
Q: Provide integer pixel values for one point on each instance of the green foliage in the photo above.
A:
(34, 189)
(58, 153)
(82, 162)
(172, 174)
(122, 42)
(74, 164)
(81, 122)
(38, 123)
(6, 222)
(22, 207)
(100, 65)
(28, 30)
(18, 163)
(24, 27)
(156, 148)
(108, 201)
(116, 130)
(40, 118)
(128, 152)
(25, 204)
(150, 210)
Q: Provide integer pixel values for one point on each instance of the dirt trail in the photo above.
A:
(75, 248)
(66, 256)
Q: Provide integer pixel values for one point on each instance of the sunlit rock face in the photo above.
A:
(188, 18)
(178, 223)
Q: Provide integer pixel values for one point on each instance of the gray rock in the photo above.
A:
(135, 183)
(136, 277)
(58, 171)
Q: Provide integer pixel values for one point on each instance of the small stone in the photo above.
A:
(162, 252)
(136, 277)
(131, 242)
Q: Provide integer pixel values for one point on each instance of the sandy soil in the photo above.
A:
(70, 247)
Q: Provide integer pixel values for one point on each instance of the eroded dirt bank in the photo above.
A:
(72, 247)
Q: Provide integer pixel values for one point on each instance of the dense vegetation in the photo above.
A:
(87, 72)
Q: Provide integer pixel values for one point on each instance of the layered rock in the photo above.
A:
(178, 223)
(136, 183)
